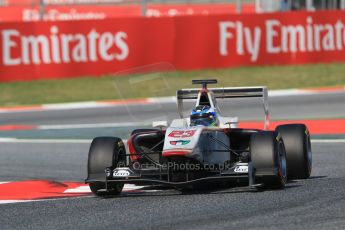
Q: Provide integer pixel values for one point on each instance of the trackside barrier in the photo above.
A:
(56, 12)
(43, 50)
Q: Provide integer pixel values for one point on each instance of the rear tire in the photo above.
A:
(298, 150)
(269, 159)
(105, 152)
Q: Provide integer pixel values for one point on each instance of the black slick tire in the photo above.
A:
(105, 152)
(268, 157)
(298, 150)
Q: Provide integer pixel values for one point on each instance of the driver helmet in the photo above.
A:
(203, 115)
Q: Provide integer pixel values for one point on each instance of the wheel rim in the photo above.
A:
(282, 161)
(122, 163)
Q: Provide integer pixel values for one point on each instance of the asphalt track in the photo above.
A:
(316, 203)
(327, 105)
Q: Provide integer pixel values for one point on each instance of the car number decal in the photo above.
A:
(182, 133)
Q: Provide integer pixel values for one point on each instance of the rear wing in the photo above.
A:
(228, 92)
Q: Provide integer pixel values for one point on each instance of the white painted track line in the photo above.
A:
(100, 125)
(328, 141)
(43, 141)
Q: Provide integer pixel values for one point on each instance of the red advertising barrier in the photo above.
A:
(95, 12)
(65, 13)
(44, 50)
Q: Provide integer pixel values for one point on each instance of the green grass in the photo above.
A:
(164, 84)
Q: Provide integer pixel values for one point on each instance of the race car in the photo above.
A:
(202, 149)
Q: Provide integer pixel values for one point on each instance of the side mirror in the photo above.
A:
(228, 122)
(160, 124)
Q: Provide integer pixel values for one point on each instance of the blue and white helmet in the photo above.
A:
(203, 115)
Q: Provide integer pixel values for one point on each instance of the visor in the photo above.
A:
(207, 121)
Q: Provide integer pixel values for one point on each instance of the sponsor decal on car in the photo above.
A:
(121, 172)
(180, 142)
(241, 169)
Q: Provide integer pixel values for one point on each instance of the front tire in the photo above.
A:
(268, 156)
(105, 152)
